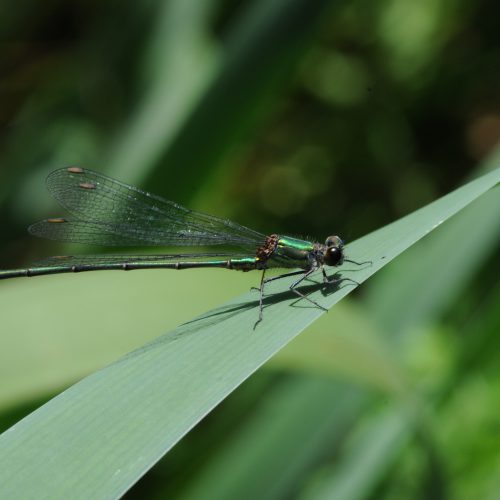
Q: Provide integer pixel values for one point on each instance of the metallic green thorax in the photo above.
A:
(291, 252)
(280, 251)
(288, 242)
(284, 251)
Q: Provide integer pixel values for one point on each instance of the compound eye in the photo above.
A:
(333, 256)
(334, 241)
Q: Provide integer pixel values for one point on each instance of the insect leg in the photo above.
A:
(263, 282)
(261, 298)
(302, 295)
(286, 275)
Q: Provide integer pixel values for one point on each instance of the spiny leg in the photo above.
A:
(286, 275)
(263, 282)
(304, 276)
(261, 298)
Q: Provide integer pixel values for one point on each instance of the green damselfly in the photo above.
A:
(111, 213)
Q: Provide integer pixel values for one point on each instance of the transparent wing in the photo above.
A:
(110, 212)
(126, 234)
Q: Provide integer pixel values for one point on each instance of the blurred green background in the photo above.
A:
(297, 117)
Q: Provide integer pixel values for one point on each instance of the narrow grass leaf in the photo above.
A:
(100, 436)
(281, 442)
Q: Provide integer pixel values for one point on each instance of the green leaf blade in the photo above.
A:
(101, 435)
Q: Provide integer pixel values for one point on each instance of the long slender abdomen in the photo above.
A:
(60, 266)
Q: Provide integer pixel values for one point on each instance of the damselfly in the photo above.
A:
(110, 212)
